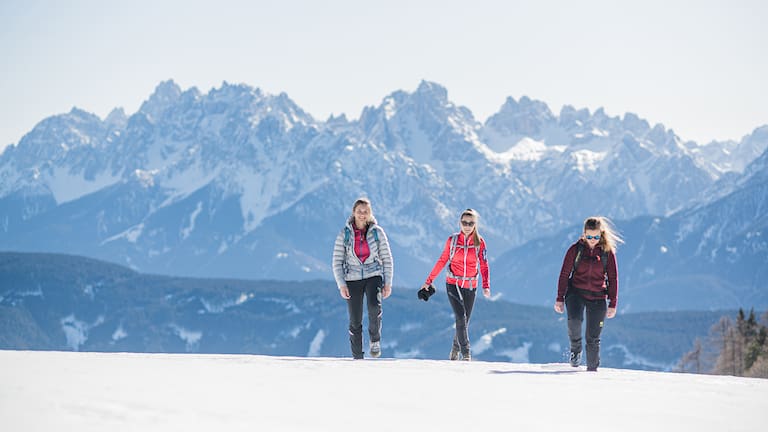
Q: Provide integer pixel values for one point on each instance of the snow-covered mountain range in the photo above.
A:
(239, 183)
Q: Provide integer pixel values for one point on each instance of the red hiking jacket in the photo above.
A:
(463, 265)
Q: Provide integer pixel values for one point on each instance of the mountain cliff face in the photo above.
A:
(239, 183)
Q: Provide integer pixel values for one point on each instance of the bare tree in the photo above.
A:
(722, 335)
(737, 348)
(691, 361)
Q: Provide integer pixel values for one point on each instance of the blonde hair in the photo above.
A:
(475, 233)
(609, 237)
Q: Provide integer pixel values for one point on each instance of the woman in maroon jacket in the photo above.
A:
(588, 277)
(465, 254)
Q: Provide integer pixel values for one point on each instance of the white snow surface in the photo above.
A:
(527, 149)
(75, 391)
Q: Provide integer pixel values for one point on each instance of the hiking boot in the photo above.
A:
(375, 349)
(467, 356)
(575, 359)
(454, 353)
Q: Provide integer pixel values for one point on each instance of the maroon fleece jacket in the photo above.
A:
(589, 275)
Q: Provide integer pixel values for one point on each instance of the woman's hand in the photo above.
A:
(425, 287)
(386, 291)
(344, 292)
(560, 307)
(610, 313)
(487, 292)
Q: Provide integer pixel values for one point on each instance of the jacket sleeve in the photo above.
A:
(565, 271)
(440, 262)
(484, 270)
(385, 254)
(613, 280)
(338, 260)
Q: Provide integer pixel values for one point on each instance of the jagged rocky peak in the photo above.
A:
(432, 90)
(116, 118)
(235, 91)
(635, 124)
(664, 137)
(759, 134)
(190, 96)
(526, 117)
(525, 106)
(337, 119)
(755, 144)
(166, 94)
(286, 105)
(56, 135)
(80, 114)
(338, 123)
(757, 171)
(604, 121)
(242, 99)
(429, 98)
(432, 105)
(600, 115)
(388, 107)
(570, 117)
(395, 99)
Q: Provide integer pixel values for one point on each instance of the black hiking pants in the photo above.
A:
(462, 300)
(371, 288)
(575, 304)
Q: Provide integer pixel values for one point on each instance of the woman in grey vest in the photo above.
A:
(362, 266)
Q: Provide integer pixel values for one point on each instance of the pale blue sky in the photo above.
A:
(698, 67)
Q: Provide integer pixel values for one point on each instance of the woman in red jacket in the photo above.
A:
(465, 254)
(588, 277)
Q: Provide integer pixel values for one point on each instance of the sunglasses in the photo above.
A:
(589, 237)
(468, 223)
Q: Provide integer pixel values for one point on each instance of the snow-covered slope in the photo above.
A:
(46, 391)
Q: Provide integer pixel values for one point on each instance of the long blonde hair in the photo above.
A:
(609, 237)
(476, 237)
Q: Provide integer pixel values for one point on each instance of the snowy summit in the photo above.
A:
(49, 391)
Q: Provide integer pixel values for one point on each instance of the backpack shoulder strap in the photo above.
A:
(454, 240)
(604, 259)
(378, 245)
(579, 250)
(477, 257)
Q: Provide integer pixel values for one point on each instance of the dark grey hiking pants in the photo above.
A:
(596, 309)
(371, 288)
(462, 300)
